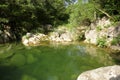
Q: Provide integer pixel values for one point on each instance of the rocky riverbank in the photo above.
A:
(101, 33)
(61, 34)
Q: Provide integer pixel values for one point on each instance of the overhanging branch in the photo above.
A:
(105, 13)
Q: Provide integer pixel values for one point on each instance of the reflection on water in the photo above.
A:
(50, 62)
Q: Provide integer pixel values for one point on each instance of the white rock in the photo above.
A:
(33, 39)
(103, 73)
(91, 36)
(25, 42)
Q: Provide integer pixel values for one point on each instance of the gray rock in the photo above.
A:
(103, 73)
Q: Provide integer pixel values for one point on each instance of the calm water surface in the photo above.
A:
(50, 62)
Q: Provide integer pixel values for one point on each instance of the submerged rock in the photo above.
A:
(103, 73)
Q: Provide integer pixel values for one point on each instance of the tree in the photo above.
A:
(26, 15)
(90, 10)
(109, 8)
(82, 11)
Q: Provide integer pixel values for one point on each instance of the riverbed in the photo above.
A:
(50, 61)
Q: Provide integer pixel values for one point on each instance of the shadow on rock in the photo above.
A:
(115, 78)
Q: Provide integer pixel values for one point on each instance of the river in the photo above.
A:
(51, 61)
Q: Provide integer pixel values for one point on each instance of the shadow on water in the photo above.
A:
(10, 73)
(116, 57)
(115, 78)
(7, 71)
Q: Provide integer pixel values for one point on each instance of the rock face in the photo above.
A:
(33, 39)
(60, 37)
(103, 34)
(61, 34)
(103, 73)
(107, 33)
(91, 36)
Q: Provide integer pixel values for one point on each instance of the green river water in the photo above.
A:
(50, 61)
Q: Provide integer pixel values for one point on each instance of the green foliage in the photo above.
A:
(82, 11)
(98, 28)
(92, 9)
(26, 15)
(111, 7)
(116, 40)
(101, 42)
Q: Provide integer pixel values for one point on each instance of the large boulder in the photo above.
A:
(103, 73)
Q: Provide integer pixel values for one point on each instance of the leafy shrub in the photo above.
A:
(101, 42)
(98, 28)
(82, 13)
(115, 41)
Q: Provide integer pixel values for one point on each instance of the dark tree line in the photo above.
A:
(26, 15)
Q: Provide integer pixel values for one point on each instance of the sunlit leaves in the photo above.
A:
(82, 11)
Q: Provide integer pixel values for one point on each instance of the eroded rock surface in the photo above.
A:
(103, 73)
(103, 33)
